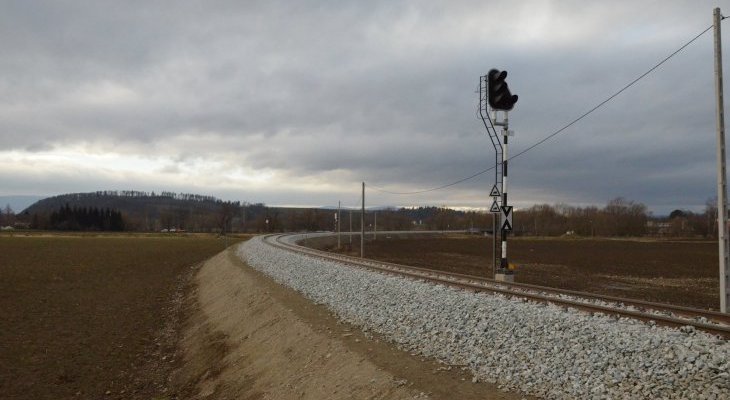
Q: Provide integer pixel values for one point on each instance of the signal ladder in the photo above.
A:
(496, 142)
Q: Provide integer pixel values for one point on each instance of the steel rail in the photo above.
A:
(658, 312)
(718, 317)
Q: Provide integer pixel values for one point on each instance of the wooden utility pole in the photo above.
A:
(721, 177)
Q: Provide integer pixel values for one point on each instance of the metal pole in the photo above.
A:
(350, 229)
(497, 238)
(339, 206)
(721, 177)
(494, 245)
(504, 264)
(362, 224)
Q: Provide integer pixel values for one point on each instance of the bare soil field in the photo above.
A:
(93, 316)
(676, 272)
(123, 317)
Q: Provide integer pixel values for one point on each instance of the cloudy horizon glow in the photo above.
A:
(298, 103)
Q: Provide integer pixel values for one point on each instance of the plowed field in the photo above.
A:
(677, 272)
(92, 317)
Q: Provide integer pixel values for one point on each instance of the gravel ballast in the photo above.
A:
(538, 349)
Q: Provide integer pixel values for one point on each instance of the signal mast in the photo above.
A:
(495, 96)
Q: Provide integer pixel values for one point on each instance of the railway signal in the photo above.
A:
(495, 96)
(500, 98)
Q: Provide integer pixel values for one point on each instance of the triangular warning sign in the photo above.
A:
(507, 218)
(495, 191)
(495, 207)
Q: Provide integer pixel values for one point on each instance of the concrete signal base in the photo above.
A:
(504, 275)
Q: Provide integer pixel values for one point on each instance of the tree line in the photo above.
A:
(143, 211)
(620, 217)
(69, 218)
(7, 216)
(143, 194)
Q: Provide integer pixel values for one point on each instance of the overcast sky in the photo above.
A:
(298, 102)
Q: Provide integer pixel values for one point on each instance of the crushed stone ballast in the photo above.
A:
(536, 348)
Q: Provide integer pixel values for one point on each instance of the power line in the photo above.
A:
(432, 189)
(550, 136)
(611, 97)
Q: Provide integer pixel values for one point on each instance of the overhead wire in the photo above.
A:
(550, 136)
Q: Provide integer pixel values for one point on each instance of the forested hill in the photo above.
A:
(129, 201)
(147, 210)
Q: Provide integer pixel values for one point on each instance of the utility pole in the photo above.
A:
(375, 225)
(351, 229)
(362, 224)
(721, 177)
(243, 215)
(339, 206)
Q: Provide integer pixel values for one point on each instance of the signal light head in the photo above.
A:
(498, 95)
(497, 74)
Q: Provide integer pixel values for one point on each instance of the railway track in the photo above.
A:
(662, 314)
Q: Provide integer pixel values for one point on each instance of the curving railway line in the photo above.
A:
(662, 314)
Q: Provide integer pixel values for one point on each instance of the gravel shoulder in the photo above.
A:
(248, 337)
(526, 347)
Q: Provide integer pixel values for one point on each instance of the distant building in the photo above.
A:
(658, 228)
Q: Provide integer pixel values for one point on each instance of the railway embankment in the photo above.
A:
(248, 337)
(539, 349)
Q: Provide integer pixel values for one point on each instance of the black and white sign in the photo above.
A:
(495, 191)
(495, 208)
(506, 218)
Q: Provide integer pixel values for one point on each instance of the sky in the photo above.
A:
(297, 103)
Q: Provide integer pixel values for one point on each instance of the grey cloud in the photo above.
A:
(380, 91)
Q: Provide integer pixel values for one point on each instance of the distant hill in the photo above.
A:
(150, 211)
(132, 202)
